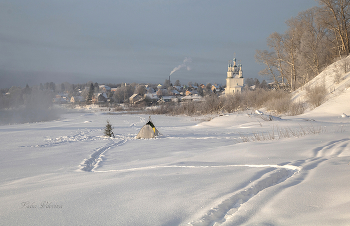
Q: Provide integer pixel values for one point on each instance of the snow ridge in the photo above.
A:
(78, 137)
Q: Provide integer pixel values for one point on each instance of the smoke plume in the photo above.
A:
(185, 63)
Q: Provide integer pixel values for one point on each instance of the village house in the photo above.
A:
(77, 99)
(61, 98)
(166, 99)
(135, 98)
(215, 88)
(99, 98)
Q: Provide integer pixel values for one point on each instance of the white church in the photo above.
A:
(234, 80)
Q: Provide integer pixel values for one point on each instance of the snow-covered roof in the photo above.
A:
(175, 91)
(105, 87)
(133, 96)
(168, 97)
(194, 97)
(151, 96)
(103, 94)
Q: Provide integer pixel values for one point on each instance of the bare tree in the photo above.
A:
(276, 62)
(303, 50)
(270, 61)
(335, 15)
(314, 50)
(177, 83)
(140, 89)
(275, 41)
(123, 93)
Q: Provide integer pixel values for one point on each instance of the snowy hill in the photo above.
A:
(336, 106)
(337, 84)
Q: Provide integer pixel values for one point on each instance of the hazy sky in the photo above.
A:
(135, 40)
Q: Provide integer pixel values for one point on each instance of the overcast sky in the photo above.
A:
(135, 40)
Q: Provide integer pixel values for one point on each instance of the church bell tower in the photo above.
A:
(234, 80)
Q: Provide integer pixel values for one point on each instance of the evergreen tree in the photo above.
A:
(166, 83)
(63, 88)
(257, 83)
(264, 85)
(200, 91)
(108, 130)
(27, 90)
(96, 87)
(52, 86)
(91, 93)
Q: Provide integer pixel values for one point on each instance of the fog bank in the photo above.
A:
(34, 106)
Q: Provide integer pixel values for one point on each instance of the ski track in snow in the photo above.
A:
(282, 177)
(231, 205)
(286, 176)
(93, 162)
(96, 157)
(287, 167)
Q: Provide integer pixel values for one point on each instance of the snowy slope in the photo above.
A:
(327, 78)
(338, 106)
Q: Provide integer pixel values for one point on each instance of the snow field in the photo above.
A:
(198, 172)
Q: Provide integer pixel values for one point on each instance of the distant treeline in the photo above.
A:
(44, 93)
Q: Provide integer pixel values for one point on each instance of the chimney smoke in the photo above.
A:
(185, 63)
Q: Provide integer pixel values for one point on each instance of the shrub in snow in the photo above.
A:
(316, 95)
(274, 100)
(212, 104)
(337, 77)
(296, 108)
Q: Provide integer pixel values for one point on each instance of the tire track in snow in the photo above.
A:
(93, 162)
(226, 210)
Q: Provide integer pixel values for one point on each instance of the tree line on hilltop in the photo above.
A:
(315, 38)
